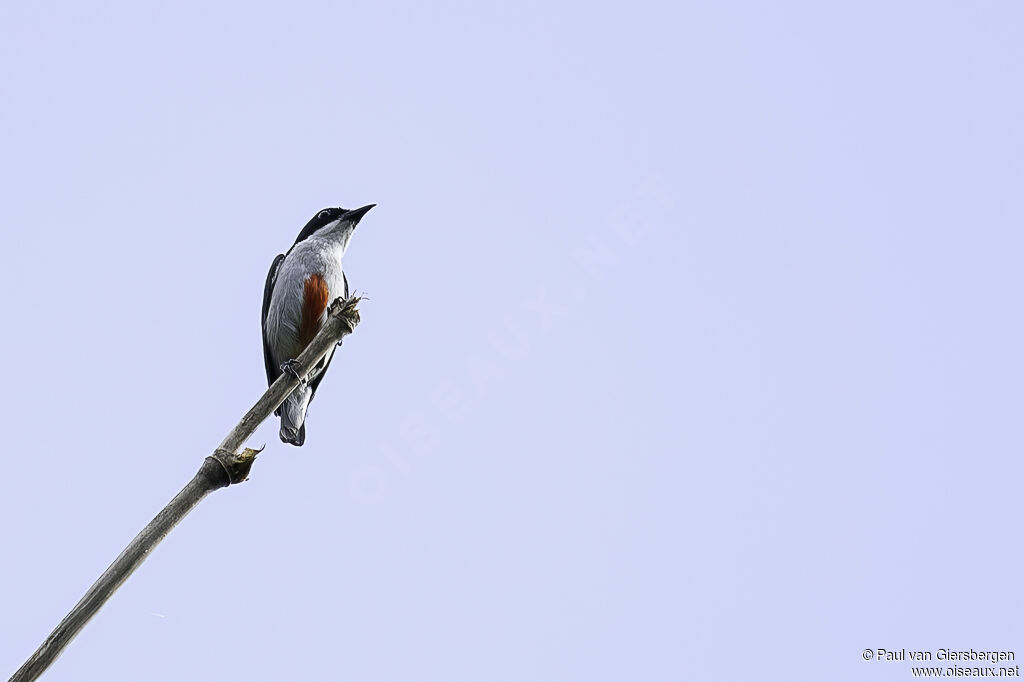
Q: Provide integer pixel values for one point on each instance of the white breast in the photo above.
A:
(312, 256)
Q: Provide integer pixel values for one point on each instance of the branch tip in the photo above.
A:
(347, 308)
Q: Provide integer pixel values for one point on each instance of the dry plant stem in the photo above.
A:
(224, 467)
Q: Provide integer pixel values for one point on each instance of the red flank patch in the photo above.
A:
(314, 302)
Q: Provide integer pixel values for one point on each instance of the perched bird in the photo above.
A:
(300, 285)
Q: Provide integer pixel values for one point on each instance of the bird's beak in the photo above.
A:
(357, 213)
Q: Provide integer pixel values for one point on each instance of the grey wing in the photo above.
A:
(273, 371)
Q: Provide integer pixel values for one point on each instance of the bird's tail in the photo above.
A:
(293, 415)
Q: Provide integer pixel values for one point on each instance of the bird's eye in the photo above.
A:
(324, 214)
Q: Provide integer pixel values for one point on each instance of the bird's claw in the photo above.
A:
(292, 367)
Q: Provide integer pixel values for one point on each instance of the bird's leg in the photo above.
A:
(292, 367)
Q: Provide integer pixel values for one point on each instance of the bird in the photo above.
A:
(300, 285)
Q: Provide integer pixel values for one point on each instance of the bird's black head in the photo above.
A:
(325, 217)
(329, 216)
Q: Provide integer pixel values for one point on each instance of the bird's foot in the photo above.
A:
(292, 367)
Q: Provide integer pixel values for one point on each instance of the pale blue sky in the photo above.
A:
(693, 347)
